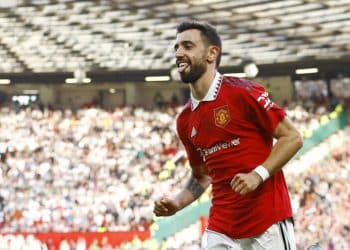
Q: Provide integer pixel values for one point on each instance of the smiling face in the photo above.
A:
(191, 55)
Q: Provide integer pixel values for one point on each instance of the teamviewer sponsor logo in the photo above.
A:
(205, 152)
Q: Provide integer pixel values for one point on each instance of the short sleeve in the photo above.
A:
(193, 155)
(262, 109)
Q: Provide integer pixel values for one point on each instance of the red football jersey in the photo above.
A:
(230, 131)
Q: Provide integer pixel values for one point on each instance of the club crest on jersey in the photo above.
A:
(222, 116)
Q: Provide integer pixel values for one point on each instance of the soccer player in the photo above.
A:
(227, 128)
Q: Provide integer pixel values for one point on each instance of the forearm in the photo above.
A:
(281, 153)
(289, 141)
(285, 148)
(195, 187)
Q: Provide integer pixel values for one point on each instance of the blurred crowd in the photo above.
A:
(86, 171)
(96, 170)
(320, 193)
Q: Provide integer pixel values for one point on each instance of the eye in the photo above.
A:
(188, 46)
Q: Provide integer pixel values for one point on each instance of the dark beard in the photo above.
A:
(195, 73)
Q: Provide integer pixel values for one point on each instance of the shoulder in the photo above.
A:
(241, 84)
(243, 87)
(182, 121)
(184, 113)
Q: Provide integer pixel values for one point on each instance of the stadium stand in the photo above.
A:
(72, 171)
(115, 35)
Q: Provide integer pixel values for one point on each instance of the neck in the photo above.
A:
(200, 88)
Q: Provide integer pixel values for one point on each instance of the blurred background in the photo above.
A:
(89, 95)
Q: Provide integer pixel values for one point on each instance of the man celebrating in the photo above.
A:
(227, 129)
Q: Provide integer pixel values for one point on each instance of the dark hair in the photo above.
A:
(207, 31)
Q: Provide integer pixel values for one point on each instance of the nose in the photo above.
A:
(178, 57)
(179, 53)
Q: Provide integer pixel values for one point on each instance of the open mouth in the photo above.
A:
(181, 67)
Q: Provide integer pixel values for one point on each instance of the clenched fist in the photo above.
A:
(165, 207)
(245, 183)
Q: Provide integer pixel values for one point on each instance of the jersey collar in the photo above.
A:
(211, 94)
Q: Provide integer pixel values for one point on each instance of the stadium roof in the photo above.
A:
(127, 39)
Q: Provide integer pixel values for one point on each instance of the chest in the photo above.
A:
(216, 122)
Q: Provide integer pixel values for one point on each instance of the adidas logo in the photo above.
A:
(193, 132)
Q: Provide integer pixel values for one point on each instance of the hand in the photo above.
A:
(245, 183)
(165, 207)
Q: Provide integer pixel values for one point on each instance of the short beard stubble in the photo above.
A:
(197, 70)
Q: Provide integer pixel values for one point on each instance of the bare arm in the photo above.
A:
(195, 187)
(289, 141)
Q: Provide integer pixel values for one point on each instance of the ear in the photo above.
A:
(213, 53)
